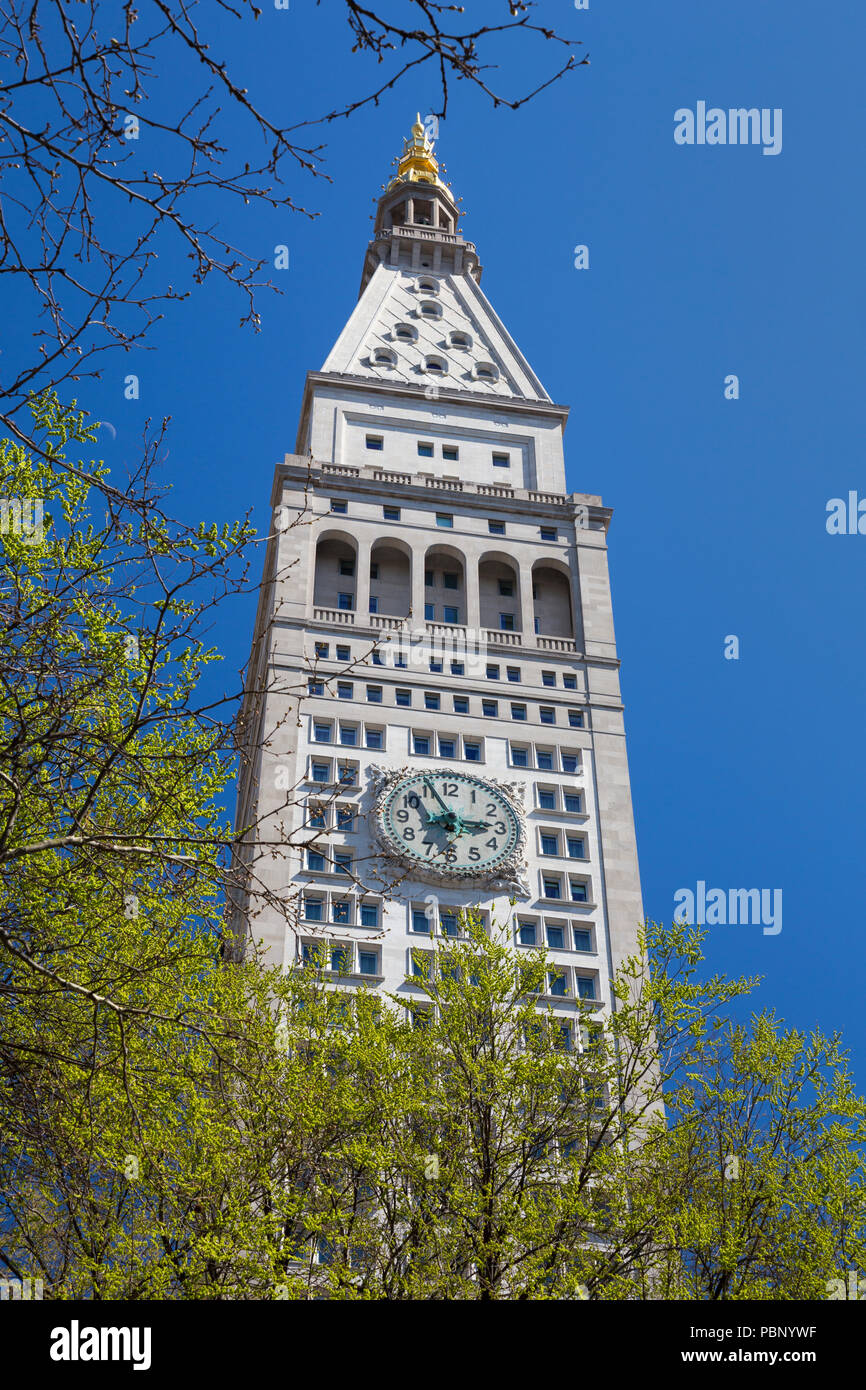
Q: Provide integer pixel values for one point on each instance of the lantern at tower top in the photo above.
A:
(418, 162)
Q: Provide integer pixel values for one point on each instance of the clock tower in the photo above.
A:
(433, 713)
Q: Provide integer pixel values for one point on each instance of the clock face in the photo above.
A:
(451, 823)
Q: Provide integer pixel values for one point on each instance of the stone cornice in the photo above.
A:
(345, 381)
(318, 477)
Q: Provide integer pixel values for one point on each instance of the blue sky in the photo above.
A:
(704, 261)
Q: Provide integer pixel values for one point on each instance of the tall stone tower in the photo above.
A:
(433, 713)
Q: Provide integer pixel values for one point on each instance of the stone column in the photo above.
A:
(362, 582)
(473, 593)
(527, 606)
(416, 581)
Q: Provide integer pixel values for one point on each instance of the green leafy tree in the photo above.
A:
(486, 1147)
(179, 1123)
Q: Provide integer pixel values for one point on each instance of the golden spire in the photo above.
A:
(418, 163)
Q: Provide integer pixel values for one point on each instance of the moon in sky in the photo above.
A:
(107, 425)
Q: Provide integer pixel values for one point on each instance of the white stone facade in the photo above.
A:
(434, 598)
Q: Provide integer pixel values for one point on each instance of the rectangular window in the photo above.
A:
(457, 668)
(374, 571)
(421, 745)
(472, 752)
(349, 735)
(575, 718)
(403, 698)
(375, 441)
(548, 533)
(391, 513)
(320, 771)
(582, 939)
(543, 760)
(556, 938)
(322, 731)
(548, 678)
(374, 694)
(376, 658)
(519, 756)
(345, 818)
(492, 672)
(429, 579)
(450, 579)
(421, 965)
(368, 962)
(444, 519)
(547, 714)
(420, 921)
(316, 818)
(313, 909)
(585, 987)
(506, 622)
(578, 892)
(518, 712)
(315, 861)
(374, 604)
(347, 773)
(448, 924)
(447, 748)
(341, 910)
(344, 653)
(557, 983)
(513, 673)
(570, 762)
(342, 862)
(573, 803)
(435, 667)
(429, 612)
(344, 690)
(399, 661)
(549, 844)
(450, 614)
(461, 704)
(547, 799)
(315, 688)
(489, 708)
(322, 650)
(369, 915)
(346, 602)
(506, 588)
(496, 528)
(374, 738)
(339, 506)
(575, 848)
(425, 450)
(527, 934)
(569, 682)
(340, 960)
(450, 453)
(537, 626)
(501, 461)
(347, 566)
(552, 888)
(431, 699)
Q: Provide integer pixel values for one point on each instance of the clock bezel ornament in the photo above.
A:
(508, 875)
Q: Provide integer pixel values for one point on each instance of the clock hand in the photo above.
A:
(474, 826)
(444, 806)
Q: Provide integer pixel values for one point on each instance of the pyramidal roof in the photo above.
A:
(422, 316)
